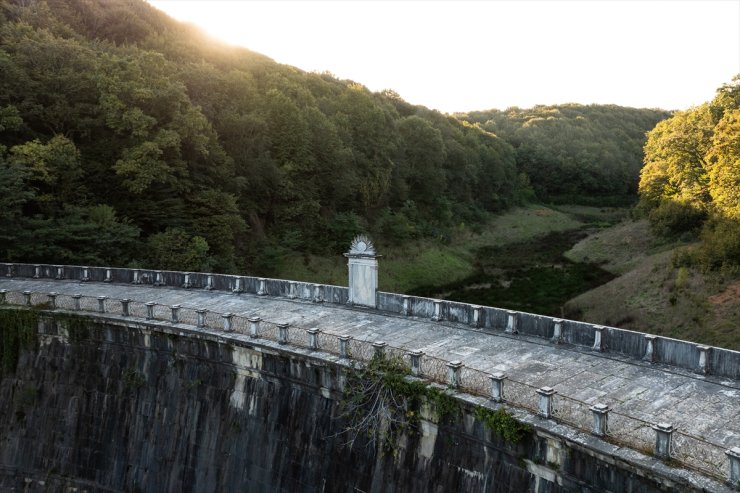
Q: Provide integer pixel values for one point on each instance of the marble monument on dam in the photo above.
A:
(133, 380)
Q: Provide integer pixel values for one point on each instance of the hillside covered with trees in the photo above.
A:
(572, 153)
(128, 137)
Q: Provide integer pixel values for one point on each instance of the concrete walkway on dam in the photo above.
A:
(703, 406)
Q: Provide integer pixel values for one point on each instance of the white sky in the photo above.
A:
(475, 55)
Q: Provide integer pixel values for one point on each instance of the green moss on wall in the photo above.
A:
(502, 424)
(17, 333)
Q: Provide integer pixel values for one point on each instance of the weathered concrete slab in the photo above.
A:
(700, 405)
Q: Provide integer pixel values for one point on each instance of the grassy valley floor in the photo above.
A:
(432, 263)
(579, 262)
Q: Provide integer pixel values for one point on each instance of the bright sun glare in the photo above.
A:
(467, 55)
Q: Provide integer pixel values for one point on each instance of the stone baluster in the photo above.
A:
(313, 338)
(201, 323)
(150, 310)
(228, 322)
(415, 357)
(599, 338)
(406, 305)
(238, 288)
(344, 346)
(453, 373)
(36, 271)
(187, 284)
(85, 275)
(261, 290)
(318, 293)
(101, 303)
(137, 278)
(254, 327)
(511, 322)
(292, 290)
(557, 331)
(601, 419)
(159, 278)
(703, 359)
(27, 297)
(649, 349)
(283, 333)
(437, 311)
(76, 298)
(8, 270)
(125, 307)
(3, 296)
(663, 436)
(175, 314)
(734, 473)
(209, 283)
(497, 386)
(545, 404)
(108, 277)
(379, 349)
(53, 300)
(60, 272)
(477, 316)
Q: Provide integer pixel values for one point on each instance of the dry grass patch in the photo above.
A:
(658, 298)
(618, 249)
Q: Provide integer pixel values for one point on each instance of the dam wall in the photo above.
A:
(101, 404)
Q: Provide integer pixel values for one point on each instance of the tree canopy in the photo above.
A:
(575, 153)
(691, 176)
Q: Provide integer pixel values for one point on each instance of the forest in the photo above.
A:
(574, 153)
(127, 138)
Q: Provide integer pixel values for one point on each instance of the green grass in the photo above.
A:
(314, 268)
(529, 276)
(426, 262)
(620, 248)
(520, 224)
(401, 271)
(599, 215)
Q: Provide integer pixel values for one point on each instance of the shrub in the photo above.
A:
(673, 218)
(343, 228)
(720, 248)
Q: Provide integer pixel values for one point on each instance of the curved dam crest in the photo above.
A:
(105, 402)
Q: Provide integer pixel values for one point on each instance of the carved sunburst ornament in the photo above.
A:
(362, 245)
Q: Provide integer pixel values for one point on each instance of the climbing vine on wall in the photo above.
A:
(381, 403)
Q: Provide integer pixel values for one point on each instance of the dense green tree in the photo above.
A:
(692, 173)
(675, 166)
(175, 249)
(723, 163)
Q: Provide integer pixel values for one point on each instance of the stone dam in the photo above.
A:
(153, 381)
